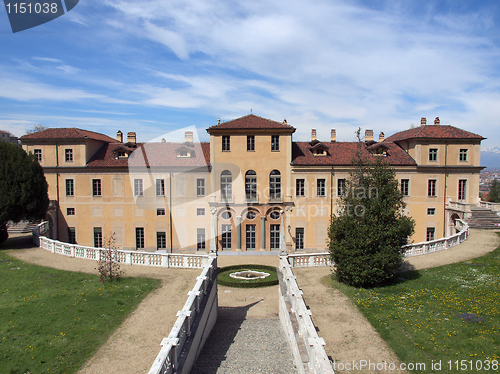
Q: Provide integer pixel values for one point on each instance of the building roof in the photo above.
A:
(433, 132)
(252, 122)
(342, 153)
(152, 155)
(67, 133)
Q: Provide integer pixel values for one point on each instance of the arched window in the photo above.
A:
(275, 184)
(226, 185)
(251, 185)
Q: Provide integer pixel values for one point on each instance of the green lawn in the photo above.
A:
(52, 321)
(446, 314)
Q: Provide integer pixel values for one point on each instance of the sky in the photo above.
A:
(154, 67)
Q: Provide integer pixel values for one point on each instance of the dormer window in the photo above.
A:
(378, 149)
(318, 149)
(121, 154)
(185, 151)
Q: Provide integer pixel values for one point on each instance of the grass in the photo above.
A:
(445, 314)
(52, 321)
(224, 279)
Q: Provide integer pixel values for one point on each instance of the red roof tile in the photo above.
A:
(433, 132)
(251, 122)
(151, 155)
(342, 153)
(67, 133)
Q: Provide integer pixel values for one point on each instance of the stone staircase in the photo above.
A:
(483, 218)
(20, 227)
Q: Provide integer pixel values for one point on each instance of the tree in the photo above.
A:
(109, 266)
(494, 193)
(23, 188)
(367, 235)
(36, 128)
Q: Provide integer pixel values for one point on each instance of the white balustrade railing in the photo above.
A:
(493, 206)
(170, 260)
(200, 307)
(298, 260)
(292, 306)
(432, 246)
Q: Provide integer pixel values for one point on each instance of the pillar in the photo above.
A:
(238, 232)
(262, 233)
(213, 234)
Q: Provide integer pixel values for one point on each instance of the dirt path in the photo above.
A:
(349, 337)
(133, 347)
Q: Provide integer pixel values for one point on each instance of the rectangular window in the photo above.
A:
(38, 154)
(405, 187)
(433, 154)
(463, 155)
(431, 211)
(226, 143)
(161, 240)
(341, 187)
(71, 235)
(70, 187)
(462, 191)
(68, 154)
(96, 187)
(139, 237)
(200, 239)
(275, 142)
(299, 238)
(321, 187)
(98, 237)
(70, 211)
(200, 211)
(251, 237)
(160, 187)
(275, 237)
(138, 191)
(300, 187)
(226, 237)
(160, 211)
(250, 143)
(431, 187)
(430, 233)
(200, 187)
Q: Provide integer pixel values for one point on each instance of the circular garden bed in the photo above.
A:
(247, 276)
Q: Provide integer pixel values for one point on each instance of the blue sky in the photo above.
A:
(158, 66)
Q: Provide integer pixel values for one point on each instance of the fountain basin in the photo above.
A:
(249, 275)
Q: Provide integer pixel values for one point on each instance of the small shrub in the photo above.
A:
(108, 266)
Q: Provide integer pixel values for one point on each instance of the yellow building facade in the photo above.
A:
(245, 187)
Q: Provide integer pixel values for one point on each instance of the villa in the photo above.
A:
(236, 191)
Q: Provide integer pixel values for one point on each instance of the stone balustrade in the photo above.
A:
(492, 206)
(169, 260)
(323, 258)
(307, 347)
(192, 327)
(432, 246)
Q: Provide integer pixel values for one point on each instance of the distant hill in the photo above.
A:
(490, 157)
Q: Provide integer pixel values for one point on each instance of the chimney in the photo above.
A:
(437, 122)
(381, 137)
(131, 137)
(423, 121)
(188, 137)
(313, 135)
(163, 140)
(333, 136)
(368, 135)
(119, 136)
